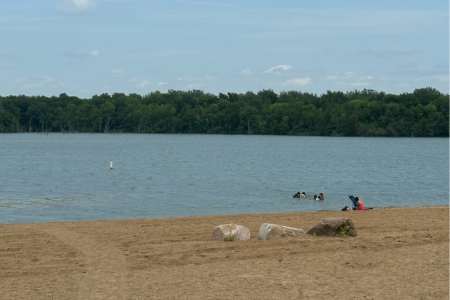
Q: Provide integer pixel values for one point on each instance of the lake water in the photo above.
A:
(67, 177)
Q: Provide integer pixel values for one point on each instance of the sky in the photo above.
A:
(89, 47)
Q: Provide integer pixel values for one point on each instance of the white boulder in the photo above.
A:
(231, 232)
(269, 231)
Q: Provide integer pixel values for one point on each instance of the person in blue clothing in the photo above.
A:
(354, 201)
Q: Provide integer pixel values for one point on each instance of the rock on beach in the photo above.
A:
(333, 226)
(269, 231)
(231, 232)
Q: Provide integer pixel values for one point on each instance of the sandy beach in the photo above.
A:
(398, 253)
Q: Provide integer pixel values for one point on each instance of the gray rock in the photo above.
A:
(231, 232)
(334, 227)
(269, 231)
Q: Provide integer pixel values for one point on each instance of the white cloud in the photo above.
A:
(29, 86)
(435, 78)
(420, 69)
(82, 54)
(279, 67)
(185, 78)
(39, 82)
(48, 79)
(211, 78)
(217, 5)
(298, 81)
(194, 86)
(162, 83)
(341, 76)
(76, 6)
(117, 72)
(390, 52)
(201, 79)
(94, 53)
(349, 73)
(359, 84)
(169, 53)
(143, 84)
(246, 72)
(350, 78)
(299, 22)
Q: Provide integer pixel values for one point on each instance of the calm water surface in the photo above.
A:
(65, 177)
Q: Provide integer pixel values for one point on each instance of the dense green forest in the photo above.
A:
(423, 113)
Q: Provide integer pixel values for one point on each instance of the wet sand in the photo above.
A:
(398, 253)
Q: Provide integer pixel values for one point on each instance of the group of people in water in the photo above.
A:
(303, 195)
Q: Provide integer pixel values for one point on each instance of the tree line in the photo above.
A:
(423, 113)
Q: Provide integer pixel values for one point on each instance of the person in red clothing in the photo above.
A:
(357, 204)
(360, 205)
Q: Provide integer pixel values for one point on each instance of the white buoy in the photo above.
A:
(110, 165)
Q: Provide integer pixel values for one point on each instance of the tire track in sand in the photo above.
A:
(106, 267)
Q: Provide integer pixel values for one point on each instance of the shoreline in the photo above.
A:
(223, 134)
(398, 253)
(244, 214)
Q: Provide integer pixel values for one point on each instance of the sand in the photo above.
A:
(398, 253)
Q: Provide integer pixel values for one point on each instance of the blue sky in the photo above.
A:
(88, 47)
